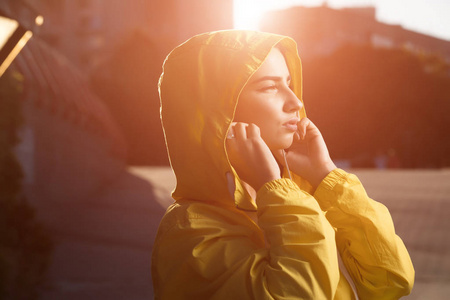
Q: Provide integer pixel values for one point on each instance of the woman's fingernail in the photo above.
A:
(230, 134)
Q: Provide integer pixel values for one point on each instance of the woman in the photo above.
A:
(261, 211)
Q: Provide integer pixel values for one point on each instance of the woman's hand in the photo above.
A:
(250, 156)
(308, 156)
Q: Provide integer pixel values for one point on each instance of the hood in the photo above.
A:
(199, 89)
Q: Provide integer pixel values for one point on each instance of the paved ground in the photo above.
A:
(103, 243)
(419, 202)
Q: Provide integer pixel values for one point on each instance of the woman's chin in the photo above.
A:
(288, 141)
(281, 144)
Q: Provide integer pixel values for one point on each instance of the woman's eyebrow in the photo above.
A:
(273, 78)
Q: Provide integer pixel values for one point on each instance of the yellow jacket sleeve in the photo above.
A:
(374, 255)
(204, 251)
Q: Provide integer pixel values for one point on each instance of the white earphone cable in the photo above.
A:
(286, 163)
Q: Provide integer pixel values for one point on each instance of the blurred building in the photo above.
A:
(70, 145)
(321, 30)
(86, 30)
(121, 45)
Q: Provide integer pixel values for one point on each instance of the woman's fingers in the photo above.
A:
(250, 156)
(303, 127)
(243, 131)
(253, 131)
(296, 136)
(255, 163)
(309, 157)
(230, 133)
(240, 130)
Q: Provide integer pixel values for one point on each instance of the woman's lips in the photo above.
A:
(291, 125)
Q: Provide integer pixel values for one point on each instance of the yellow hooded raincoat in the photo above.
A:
(208, 244)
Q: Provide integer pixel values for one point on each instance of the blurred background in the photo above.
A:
(84, 174)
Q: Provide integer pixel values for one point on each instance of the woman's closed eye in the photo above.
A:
(272, 88)
(269, 88)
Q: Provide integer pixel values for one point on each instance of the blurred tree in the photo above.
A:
(127, 82)
(369, 101)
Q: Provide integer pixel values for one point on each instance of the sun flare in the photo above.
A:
(248, 13)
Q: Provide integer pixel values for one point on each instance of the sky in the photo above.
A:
(430, 17)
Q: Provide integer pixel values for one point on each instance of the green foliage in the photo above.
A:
(369, 101)
(25, 247)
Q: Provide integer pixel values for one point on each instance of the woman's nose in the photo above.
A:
(292, 102)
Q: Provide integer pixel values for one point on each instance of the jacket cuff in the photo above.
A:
(282, 183)
(325, 193)
(280, 188)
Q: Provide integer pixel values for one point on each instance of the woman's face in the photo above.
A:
(268, 102)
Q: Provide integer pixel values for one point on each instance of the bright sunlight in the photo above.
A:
(248, 13)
